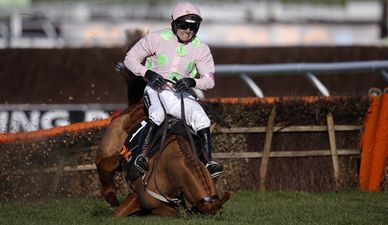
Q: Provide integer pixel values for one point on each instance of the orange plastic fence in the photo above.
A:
(380, 147)
(368, 140)
(4, 138)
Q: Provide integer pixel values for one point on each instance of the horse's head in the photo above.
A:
(175, 173)
(198, 188)
(209, 204)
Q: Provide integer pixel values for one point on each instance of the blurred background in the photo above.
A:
(57, 61)
(57, 58)
(97, 23)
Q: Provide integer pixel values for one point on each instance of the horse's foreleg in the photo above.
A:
(108, 189)
(129, 206)
(107, 158)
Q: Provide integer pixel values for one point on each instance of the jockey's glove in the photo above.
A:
(184, 84)
(156, 79)
(120, 67)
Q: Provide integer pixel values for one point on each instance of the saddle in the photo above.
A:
(130, 150)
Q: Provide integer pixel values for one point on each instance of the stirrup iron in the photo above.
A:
(142, 168)
(215, 169)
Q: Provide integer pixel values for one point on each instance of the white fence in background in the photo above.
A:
(310, 70)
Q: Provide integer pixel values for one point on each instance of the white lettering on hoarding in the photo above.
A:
(14, 121)
(28, 117)
(55, 118)
(19, 121)
(91, 115)
(3, 121)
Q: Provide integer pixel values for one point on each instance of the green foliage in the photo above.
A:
(243, 208)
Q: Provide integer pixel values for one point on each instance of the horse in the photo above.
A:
(176, 177)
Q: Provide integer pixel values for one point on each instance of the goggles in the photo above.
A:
(182, 25)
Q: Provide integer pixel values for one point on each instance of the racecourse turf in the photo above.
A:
(351, 207)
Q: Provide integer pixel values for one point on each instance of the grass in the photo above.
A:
(243, 208)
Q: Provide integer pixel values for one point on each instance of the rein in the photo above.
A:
(187, 127)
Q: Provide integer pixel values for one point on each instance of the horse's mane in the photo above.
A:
(135, 113)
(193, 162)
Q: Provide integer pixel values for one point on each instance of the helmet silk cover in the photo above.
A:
(185, 8)
(186, 12)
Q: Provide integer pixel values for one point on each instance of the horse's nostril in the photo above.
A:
(210, 207)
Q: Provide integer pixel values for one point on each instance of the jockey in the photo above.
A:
(175, 54)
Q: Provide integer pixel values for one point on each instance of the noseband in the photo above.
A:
(208, 199)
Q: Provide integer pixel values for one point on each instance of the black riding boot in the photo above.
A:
(147, 135)
(214, 168)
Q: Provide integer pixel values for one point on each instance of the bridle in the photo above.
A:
(196, 205)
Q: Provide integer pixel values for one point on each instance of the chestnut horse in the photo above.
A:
(176, 178)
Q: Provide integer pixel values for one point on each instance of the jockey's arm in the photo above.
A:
(205, 81)
(136, 55)
(206, 68)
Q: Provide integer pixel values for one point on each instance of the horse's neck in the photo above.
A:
(134, 114)
(191, 173)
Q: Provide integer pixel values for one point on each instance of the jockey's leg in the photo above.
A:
(147, 135)
(145, 142)
(137, 164)
(200, 122)
(214, 168)
(156, 116)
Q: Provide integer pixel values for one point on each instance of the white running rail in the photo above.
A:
(305, 69)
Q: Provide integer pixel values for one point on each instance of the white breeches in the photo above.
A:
(195, 115)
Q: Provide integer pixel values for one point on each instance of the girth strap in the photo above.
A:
(162, 198)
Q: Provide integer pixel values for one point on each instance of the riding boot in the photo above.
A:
(214, 168)
(147, 135)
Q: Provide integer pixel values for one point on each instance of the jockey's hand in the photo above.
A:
(120, 67)
(184, 84)
(156, 79)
